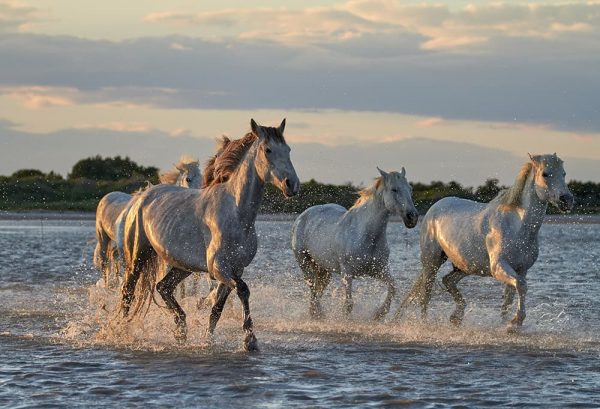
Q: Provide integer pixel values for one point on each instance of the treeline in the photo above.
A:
(92, 178)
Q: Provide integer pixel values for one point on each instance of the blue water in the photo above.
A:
(60, 346)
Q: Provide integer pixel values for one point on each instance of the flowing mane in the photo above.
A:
(170, 176)
(230, 154)
(367, 193)
(208, 174)
(512, 196)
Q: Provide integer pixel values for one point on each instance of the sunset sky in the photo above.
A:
(451, 90)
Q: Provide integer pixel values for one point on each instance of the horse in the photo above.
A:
(185, 173)
(210, 230)
(328, 238)
(497, 239)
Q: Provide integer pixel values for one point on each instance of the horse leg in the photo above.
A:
(347, 286)
(114, 265)
(221, 293)
(432, 257)
(508, 297)
(211, 298)
(243, 293)
(165, 288)
(450, 282)
(317, 280)
(128, 288)
(504, 273)
(101, 256)
(385, 307)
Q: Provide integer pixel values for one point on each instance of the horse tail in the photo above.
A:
(144, 290)
(97, 255)
(419, 293)
(142, 266)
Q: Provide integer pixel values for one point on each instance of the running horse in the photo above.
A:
(210, 230)
(497, 239)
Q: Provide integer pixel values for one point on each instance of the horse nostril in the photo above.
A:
(287, 183)
(565, 198)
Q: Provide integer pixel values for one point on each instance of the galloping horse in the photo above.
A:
(209, 230)
(186, 173)
(498, 239)
(328, 238)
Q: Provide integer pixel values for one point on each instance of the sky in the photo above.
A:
(455, 90)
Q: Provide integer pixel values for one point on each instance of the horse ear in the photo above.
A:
(382, 173)
(281, 127)
(403, 172)
(254, 126)
(530, 157)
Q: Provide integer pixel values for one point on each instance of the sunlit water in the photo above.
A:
(60, 346)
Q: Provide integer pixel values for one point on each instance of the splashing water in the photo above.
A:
(53, 310)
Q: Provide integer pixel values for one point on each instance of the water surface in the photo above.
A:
(60, 346)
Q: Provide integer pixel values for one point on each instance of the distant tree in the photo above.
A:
(27, 173)
(35, 174)
(98, 168)
(488, 190)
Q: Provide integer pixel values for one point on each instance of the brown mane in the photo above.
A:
(230, 154)
(513, 195)
(368, 192)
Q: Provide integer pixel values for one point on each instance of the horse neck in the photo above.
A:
(371, 216)
(247, 187)
(534, 209)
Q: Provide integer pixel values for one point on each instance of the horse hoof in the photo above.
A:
(514, 327)
(379, 315)
(250, 343)
(456, 320)
(180, 335)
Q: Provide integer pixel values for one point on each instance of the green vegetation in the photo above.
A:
(92, 178)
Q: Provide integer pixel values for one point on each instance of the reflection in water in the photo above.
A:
(61, 344)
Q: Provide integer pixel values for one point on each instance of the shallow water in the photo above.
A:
(60, 346)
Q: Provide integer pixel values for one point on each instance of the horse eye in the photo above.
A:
(395, 190)
(268, 150)
(545, 174)
(188, 179)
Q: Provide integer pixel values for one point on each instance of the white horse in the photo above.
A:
(498, 239)
(209, 230)
(186, 173)
(328, 238)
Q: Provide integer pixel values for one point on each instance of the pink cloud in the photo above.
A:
(429, 122)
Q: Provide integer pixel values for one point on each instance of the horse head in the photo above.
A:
(549, 180)
(397, 196)
(189, 175)
(273, 162)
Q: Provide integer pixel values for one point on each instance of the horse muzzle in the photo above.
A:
(411, 218)
(290, 188)
(565, 202)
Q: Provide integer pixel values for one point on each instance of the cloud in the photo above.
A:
(36, 97)
(440, 27)
(429, 122)
(533, 63)
(15, 15)
(132, 127)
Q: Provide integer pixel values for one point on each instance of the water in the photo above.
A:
(59, 346)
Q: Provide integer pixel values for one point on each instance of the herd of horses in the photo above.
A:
(204, 222)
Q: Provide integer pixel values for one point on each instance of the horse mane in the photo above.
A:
(170, 176)
(208, 174)
(230, 154)
(513, 195)
(367, 193)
